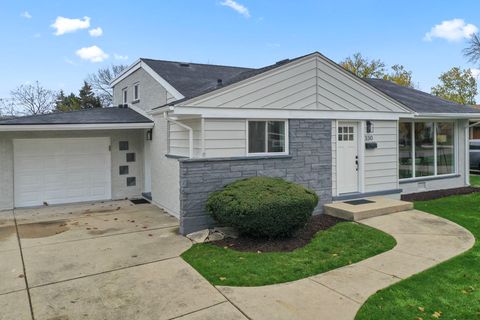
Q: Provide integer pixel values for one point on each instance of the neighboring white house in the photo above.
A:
(305, 119)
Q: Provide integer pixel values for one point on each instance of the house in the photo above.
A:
(184, 130)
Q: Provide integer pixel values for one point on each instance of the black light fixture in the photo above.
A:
(369, 126)
(149, 135)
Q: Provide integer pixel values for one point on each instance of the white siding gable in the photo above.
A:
(310, 83)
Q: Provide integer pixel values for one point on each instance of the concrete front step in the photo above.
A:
(378, 207)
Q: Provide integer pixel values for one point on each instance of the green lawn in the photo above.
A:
(343, 244)
(452, 289)
(475, 181)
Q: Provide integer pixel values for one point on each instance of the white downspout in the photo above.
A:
(203, 137)
(190, 134)
(467, 155)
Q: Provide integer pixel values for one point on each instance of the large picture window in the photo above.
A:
(426, 149)
(266, 137)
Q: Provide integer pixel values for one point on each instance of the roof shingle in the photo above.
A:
(87, 116)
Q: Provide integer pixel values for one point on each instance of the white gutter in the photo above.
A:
(467, 155)
(190, 133)
(448, 115)
(58, 127)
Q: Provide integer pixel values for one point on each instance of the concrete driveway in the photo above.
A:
(111, 260)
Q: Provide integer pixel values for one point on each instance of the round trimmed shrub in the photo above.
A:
(263, 206)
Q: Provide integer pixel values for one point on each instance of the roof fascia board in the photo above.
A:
(140, 64)
(244, 113)
(448, 115)
(125, 73)
(235, 85)
(59, 127)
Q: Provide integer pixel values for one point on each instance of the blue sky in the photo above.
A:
(55, 41)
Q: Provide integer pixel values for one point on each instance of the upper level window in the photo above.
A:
(125, 95)
(426, 149)
(136, 95)
(267, 137)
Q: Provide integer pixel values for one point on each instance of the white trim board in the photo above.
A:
(245, 113)
(59, 127)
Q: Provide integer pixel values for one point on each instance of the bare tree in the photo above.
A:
(33, 99)
(472, 52)
(100, 82)
(7, 108)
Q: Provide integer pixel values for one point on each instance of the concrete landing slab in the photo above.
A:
(379, 206)
(75, 259)
(161, 290)
(11, 272)
(222, 311)
(14, 306)
(302, 299)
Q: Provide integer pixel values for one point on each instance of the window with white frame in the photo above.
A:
(267, 137)
(136, 93)
(125, 95)
(426, 148)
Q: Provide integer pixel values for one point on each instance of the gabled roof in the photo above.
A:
(87, 116)
(192, 79)
(419, 101)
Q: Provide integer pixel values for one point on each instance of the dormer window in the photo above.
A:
(125, 95)
(136, 93)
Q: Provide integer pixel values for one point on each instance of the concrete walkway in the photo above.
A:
(423, 240)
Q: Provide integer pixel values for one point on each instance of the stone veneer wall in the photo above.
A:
(309, 163)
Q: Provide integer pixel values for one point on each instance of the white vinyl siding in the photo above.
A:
(179, 138)
(381, 169)
(223, 138)
(312, 83)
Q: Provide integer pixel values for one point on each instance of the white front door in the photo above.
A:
(347, 157)
(61, 170)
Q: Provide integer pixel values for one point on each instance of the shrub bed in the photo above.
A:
(263, 206)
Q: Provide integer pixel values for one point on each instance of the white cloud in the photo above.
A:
(451, 30)
(64, 25)
(92, 54)
(26, 15)
(97, 32)
(240, 8)
(475, 72)
(69, 61)
(119, 57)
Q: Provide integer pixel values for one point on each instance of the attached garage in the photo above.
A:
(61, 170)
(68, 157)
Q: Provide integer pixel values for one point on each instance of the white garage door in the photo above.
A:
(61, 170)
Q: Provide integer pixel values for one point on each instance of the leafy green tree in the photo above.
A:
(87, 97)
(400, 76)
(376, 68)
(457, 85)
(67, 103)
(362, 67)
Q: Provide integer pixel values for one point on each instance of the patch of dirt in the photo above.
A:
(6, 232)
(42, 229)
(431, 195)
(300, 239)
